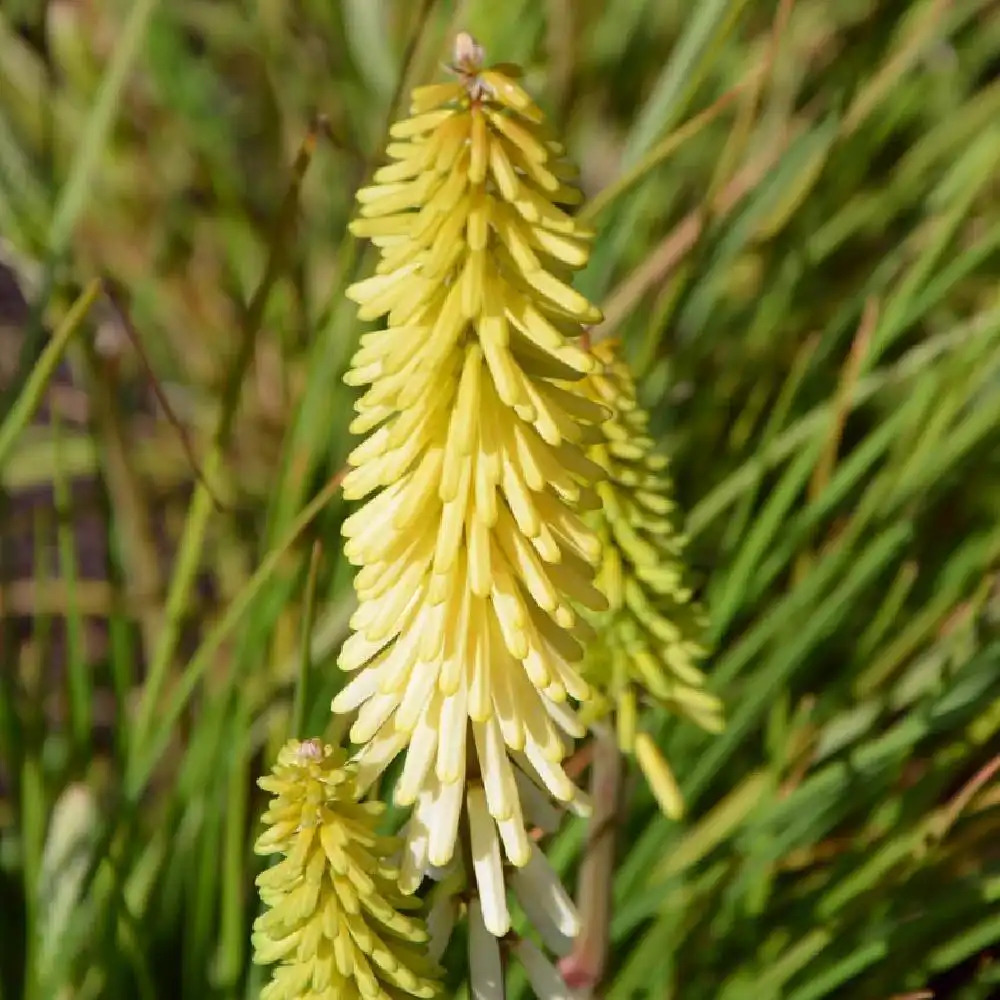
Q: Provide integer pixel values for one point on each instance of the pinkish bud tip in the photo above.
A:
(311, 749)
(578, 971)
(468, 52)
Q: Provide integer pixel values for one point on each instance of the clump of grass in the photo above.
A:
(797, 238)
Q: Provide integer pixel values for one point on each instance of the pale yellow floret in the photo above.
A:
(660, 777)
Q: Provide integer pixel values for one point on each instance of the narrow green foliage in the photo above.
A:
(796, 242)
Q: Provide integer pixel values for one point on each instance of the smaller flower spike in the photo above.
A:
(334, 918)
(648, 641)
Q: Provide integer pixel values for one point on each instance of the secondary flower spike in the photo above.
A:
(649, 640)
(474, 556)
(335, 917)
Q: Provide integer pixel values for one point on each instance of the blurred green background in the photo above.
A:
(798, 216)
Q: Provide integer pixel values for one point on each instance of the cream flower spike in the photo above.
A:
(472, 550)
(334, 918)
(648, 641)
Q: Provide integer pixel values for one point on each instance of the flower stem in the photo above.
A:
(584, 967)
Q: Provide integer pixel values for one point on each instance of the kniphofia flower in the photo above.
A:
(472, 550)
(336, 919)
(649, 640)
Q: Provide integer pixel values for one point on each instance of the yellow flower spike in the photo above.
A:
(648, 640)
(334, 917)
(471, 545)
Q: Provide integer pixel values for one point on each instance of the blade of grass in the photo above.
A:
(912, 363)
(658, 155)
(77, 668)
(30, 396)
(710, 22)
(32, 817)
(297, 726)
(128, 492)
(769, 524)
(627, 295)
(142, 764)
(232, 930)
(827, 607)
(73, 197)
(190, 548)
(708, 25)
